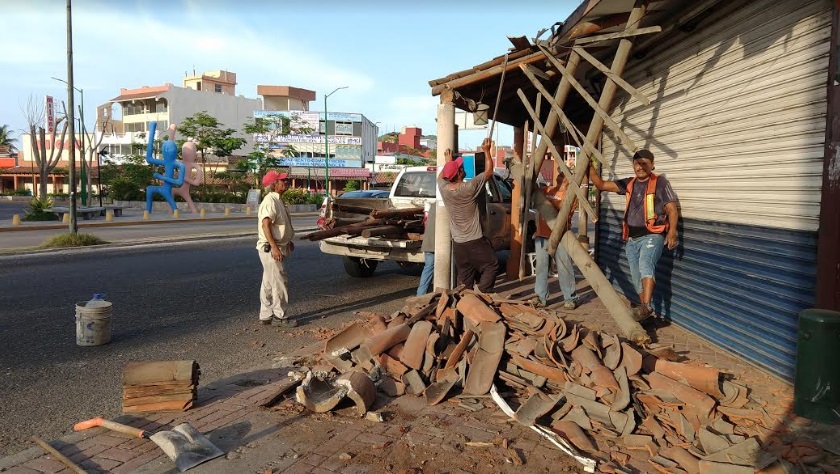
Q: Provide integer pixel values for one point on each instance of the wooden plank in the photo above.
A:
(487, 73)
(619, 35)
(613, 77)
(573, 185)
(139, 373)
(151, 391)
(623, 138)
(162, 406)
(181, 397)
(384, 231)
(389, 213)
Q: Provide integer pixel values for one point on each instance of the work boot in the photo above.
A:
(641, 312)
(536, 302)
(265, 322)
(283, 322)
(569, 305)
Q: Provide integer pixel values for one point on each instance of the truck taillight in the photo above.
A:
(431, 168)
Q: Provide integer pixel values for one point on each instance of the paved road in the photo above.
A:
(196, 300)
(31, 238)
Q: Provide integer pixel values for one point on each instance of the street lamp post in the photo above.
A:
(327, 139)
(82, 128)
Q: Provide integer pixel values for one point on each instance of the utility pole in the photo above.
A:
(74, 228)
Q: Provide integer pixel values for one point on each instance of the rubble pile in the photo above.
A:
(583, 384)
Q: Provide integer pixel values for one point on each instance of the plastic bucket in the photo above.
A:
(93, 323)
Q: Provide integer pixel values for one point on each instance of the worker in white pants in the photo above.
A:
(274, 246)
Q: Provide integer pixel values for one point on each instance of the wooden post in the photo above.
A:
(446, 139)
(517, 209)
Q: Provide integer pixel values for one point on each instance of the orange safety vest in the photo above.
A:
(651, 218)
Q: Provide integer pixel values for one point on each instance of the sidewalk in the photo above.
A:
(449, 437)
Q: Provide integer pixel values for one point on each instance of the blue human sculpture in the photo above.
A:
(169, 162)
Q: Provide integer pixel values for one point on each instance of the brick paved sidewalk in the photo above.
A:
(288, 439)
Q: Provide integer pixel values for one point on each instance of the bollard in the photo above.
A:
(65, 218)
(248, 210)
(175, 214)
(16, 219)
(227, 211)
(145, 215)
(109, 216)
(203, 213)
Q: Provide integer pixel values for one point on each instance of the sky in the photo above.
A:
(386, 52)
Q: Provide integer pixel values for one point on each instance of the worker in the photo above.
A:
(274, 245)
(562, 260)
(428, 248)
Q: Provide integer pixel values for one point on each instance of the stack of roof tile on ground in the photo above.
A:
(676, 416)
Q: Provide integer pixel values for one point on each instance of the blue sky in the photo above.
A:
(385, 51)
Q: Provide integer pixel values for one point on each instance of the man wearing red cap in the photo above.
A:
(473, 253)
(274, 245)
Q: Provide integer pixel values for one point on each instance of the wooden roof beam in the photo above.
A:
(613, 77)
(618, 35)
(487, 73)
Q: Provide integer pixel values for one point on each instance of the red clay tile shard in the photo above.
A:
(534, 407)
(392, 366)
(745, 453)
(586, 357)
(711, 467)
(578, 416)
(631, 360)
(443, 305)
(734, 395)
(396, 320)
(573, 432)
(388, 339)
(396, 351)
(622, 397)
(712, 443)
(722, 427)
(550, 373)
(702, 404)
(436, 392)
(604, 377)
(705, 379)
(391, 387)
(596, 411)
(579, 390)
(476, 311)
(413, 382)
(459, 349)
(319, 395)
(483, 368)
(376, 324)
(653, 427)
(342, 343)
(360, 389)
(612, 351)
(569, 342)
(363, 358)
(590, 340)
(415, 345)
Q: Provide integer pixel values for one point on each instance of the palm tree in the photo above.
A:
(6, 140)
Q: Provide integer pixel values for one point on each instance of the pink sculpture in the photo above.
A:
(188, 154)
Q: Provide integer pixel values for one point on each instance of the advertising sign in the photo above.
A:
(49, 112)
(318, 162)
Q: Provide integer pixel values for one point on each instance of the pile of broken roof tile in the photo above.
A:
(680, 417)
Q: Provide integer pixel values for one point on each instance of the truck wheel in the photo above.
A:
(359, 267)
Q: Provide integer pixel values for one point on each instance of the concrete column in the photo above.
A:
(445, 139)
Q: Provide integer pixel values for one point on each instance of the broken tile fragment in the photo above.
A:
(534, 407)
(573, 432)
(415, 345)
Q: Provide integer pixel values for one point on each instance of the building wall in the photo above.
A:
(220, 82)
(737, 124)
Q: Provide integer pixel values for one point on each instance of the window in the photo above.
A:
(416, 184)
(217, 87)
(135, 127)
(344, 128)
(198, 86)
(133, 108)
(160, 105)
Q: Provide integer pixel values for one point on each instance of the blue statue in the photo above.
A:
(169, 162)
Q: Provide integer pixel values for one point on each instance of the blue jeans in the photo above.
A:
(428, 274)
(565, 271)
(642, 255)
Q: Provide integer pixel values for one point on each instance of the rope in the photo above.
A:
(498, 96)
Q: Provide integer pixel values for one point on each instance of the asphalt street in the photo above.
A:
(194, 300)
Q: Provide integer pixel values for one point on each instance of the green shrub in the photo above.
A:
(125, 189)
(22, 192)
(295, 196)
(70, 239)
(351, 185)
(37, 210)
(315, 198)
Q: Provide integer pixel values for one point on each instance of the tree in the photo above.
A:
(6, 140)
(209, 136)
(34, 114)
(93, 149)
(390, 137)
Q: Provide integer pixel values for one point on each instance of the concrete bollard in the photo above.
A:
(65, 218)
(227, 211)
(146, 215)
(16, 219)
(203, 213)
(109, 216)
(248, 210)
(175, 214)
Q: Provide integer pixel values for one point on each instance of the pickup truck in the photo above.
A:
(414, 187)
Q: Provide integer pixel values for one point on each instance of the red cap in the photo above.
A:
(450, 169)
(272, 177)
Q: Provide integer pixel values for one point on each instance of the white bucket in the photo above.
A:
(93, 323)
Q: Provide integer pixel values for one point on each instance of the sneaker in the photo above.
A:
(265, 322)
(535, 302)
(569, 305)
(642, 312)
(283, 322)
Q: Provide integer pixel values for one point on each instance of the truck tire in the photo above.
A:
(359, 267)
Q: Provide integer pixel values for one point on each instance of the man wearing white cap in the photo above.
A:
(274, 245)
(473, 253)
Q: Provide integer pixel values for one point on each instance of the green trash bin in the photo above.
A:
(816, 392)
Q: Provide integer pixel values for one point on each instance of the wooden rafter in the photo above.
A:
(613, 77)
(623, 138)
(619, 35)
(486, 73)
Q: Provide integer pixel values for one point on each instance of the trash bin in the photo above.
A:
(816, 393)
